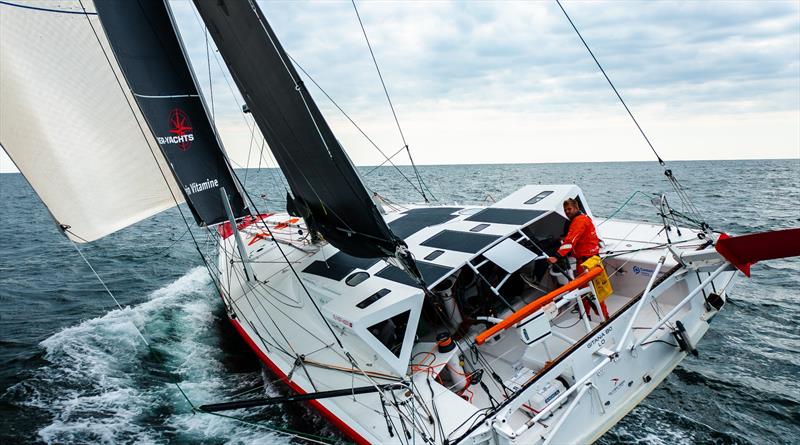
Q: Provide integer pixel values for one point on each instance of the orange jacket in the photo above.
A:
(581, 239)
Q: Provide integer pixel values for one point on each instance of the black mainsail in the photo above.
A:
(150, 55)
(326, 188)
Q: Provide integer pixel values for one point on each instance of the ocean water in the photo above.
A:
(76, 371)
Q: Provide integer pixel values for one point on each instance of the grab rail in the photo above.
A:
(725, 266)
(537, 304)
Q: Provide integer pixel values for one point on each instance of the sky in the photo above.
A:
(510, 82)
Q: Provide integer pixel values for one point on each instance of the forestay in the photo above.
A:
(66, 123)
(147, 48)
(327, 190)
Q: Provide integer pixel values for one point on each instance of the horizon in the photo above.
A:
(533, 163)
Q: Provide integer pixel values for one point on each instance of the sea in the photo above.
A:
(75, 369)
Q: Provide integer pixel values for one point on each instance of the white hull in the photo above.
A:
(604, 380)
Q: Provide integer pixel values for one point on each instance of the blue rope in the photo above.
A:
(626, 203)
(36, 8)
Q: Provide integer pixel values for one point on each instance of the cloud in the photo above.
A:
(497, 70)
(707, 71)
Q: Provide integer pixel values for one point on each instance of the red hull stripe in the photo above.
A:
(350, 432)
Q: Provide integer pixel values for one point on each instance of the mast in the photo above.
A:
(326, 189)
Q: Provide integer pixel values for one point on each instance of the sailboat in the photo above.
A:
(416, 323)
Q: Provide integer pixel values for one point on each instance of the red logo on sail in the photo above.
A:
(181, 129)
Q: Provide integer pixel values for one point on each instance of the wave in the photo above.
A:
(102, 383)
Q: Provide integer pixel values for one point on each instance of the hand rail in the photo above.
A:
(642, 301)
(537, 304)
(680, 305)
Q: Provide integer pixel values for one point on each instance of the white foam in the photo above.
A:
(105, 385)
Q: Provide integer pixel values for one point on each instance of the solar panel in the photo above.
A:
(339, 266)
(415, 220)
(505, 216)
(468, 242)
(430, 272)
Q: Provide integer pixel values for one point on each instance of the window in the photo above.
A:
(479, 227)
(391, 332)
(433, 255)
(373, 298)
(539, 197)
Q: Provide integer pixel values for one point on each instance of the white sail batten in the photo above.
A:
(68, 126)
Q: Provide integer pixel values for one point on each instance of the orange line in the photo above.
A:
(537, 304)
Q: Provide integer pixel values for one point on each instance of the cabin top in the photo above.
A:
(366, 295)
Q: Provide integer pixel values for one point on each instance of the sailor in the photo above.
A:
(581, 242)
(581, 239)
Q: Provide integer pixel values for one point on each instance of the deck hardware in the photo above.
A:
(679, 306)
(248, 272)
(642, 301)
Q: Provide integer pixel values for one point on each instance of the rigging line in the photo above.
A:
(660, 161)
(210, 79)
(614, 213)
(240, 313)
(247, 299)
(311, 438)
(144, 136)
(247, 164)
(294, 272)
(387, 159)
(170, 246)
(298, 167)
(163, 175)
(300, 87)
(391, 106)
(435, 410)
(163, 96)
(275, 344)
(237, 99)
(261, 155)
(288, 317)
(57, 11)
(416, 394)
(106, 289)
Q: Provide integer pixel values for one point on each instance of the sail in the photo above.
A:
(148, 51)
(68, 125)
(326, 189)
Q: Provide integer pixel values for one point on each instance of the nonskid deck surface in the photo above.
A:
(302, 342)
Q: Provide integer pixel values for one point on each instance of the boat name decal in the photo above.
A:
(341, 320)
(600, 339)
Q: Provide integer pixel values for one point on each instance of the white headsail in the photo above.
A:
(71, 128)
